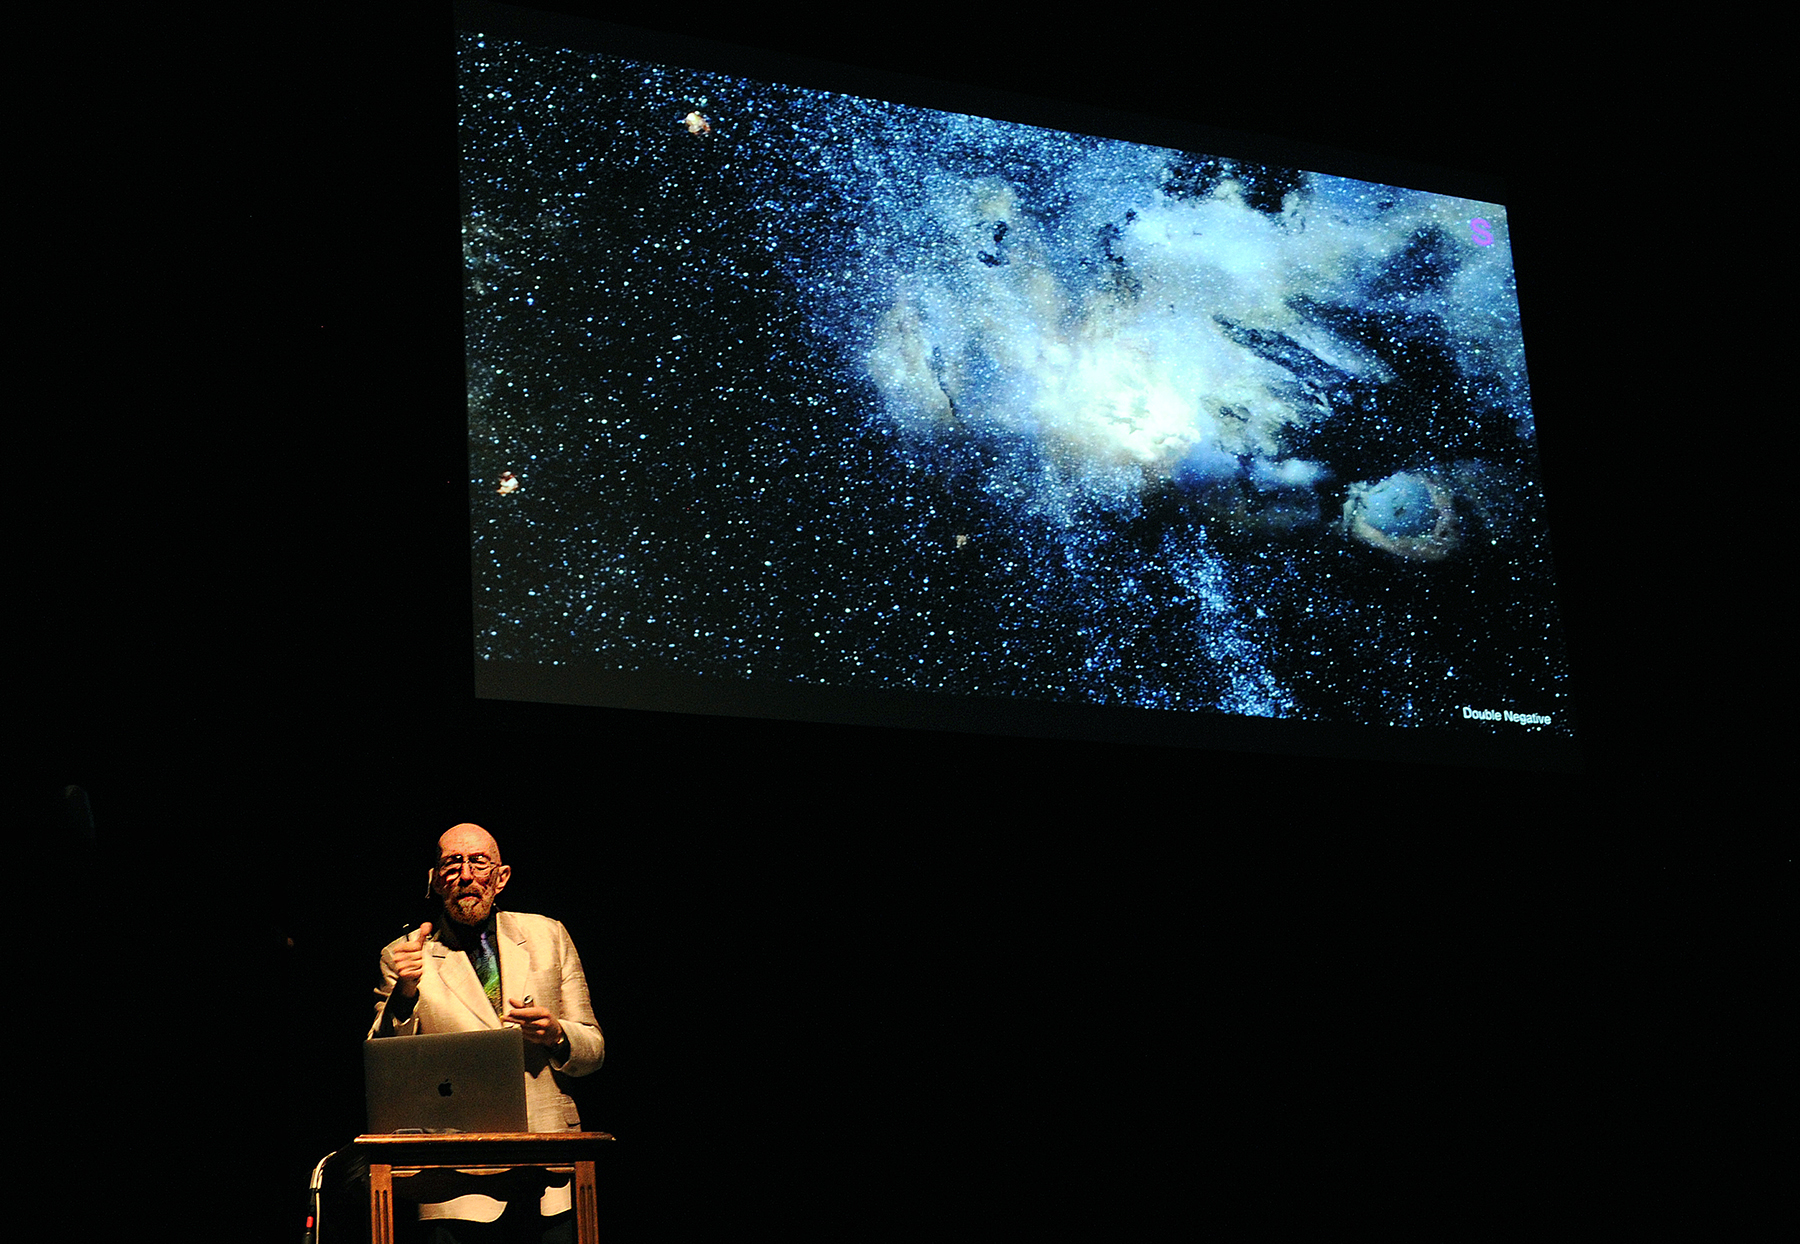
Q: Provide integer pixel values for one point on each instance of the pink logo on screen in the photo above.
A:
(1479, 228)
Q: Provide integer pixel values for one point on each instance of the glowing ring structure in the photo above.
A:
(1431, 545)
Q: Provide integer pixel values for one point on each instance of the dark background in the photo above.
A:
(853, 976)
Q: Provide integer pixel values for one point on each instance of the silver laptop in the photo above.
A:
(446, 1082)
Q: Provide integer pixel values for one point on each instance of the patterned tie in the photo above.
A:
(487, 967)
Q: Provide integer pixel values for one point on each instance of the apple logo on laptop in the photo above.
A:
(444, 1089)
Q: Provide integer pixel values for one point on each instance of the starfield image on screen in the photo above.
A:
(772, 384)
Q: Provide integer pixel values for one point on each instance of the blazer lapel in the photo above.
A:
(459, 980)
(515, 960)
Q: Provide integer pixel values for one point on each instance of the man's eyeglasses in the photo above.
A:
(480, 865)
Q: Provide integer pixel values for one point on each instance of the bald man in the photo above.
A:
(484, 968)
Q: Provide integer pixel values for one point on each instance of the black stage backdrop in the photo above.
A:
(850, 977)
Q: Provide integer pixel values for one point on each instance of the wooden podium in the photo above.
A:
(393, 1157)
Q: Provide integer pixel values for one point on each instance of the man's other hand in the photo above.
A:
(539, 1026)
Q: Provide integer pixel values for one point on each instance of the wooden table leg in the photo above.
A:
(587, 1212)
(381, 1203)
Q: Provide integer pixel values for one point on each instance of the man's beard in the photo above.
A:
(470, 906)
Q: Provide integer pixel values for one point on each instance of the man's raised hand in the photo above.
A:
(409, 961)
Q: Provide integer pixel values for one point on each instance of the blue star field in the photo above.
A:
(802, 387)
